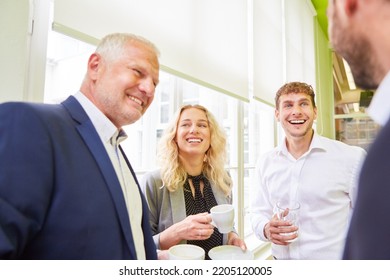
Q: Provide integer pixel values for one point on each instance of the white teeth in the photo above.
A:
(297, 121)
(193, 140)
(136, 100)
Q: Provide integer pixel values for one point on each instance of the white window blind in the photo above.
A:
(283, 45)
(201, 40)
(300, 42)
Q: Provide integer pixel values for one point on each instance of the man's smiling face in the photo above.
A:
(296, 113)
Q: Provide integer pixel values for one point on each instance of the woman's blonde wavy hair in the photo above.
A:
(172, 171)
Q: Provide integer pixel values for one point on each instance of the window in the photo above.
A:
(259, 137)
(65, 66)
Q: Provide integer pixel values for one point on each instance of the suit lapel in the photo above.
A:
(96, 147)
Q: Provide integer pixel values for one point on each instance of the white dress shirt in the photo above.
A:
(379, 109)
(109, 134)
(324, 181)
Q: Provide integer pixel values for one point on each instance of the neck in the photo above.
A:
(297, 146)
(193, 165)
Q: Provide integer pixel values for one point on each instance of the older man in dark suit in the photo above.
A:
(67, 191)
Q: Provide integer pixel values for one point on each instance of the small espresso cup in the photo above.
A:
(186, 252)
(223, 217)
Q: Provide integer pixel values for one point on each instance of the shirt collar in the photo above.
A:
(104, 127)
(316, 143)
(379, 109)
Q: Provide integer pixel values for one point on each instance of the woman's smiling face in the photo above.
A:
(193, 133)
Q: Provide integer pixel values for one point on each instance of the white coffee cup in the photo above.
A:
(230, 252)
(186, 252)
(223, 217)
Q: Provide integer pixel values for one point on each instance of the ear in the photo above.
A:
(277, 114)
(350, 7)
(315, 113)
(94, 62)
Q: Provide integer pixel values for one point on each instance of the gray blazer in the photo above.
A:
(167, 208)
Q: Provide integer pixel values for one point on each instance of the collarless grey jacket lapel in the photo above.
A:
(178, 205)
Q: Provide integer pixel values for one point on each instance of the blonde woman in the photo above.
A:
(190, 181)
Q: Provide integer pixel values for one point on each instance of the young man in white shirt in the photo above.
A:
(320, 173)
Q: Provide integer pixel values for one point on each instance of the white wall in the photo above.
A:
(23, 39)
(38, 46)
(14, 46)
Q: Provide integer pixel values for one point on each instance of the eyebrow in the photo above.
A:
(189, 120)
(299, 100)
(144, 69)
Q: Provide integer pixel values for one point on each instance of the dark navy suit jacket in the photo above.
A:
(369, 233)
(59, 194)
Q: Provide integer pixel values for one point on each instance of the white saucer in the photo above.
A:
(230, 252)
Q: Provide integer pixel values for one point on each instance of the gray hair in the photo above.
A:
(112, 45)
